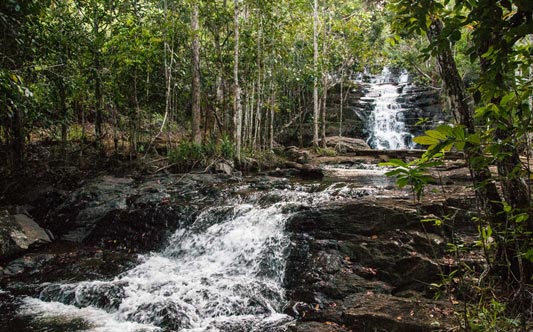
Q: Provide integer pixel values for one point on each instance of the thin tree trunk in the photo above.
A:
(63, 107)
(259, 85)
(315, 69)
(237, 107)
(272, 113)
(219, 105)
(325, 80)
(196, 111)
(168, 80)
(342, 104)
(136, 121)
(97, 81)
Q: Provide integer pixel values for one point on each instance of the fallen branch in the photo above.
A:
(157, 160)
(163, 168)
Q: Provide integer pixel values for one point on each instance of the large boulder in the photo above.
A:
(365, 265)
(18, 233)
(346, 144)
(124, 214)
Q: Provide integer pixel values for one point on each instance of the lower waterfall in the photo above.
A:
(224, 272)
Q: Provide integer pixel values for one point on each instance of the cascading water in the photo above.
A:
(386, 122)
(225, 272)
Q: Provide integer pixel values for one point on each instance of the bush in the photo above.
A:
(189, 155)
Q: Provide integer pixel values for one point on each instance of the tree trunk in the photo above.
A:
(461, 106)
(237, 107)
(196, 112)
(510, 171)
(63, 108)
(315, 74)
(325, 87)
(97, 81)
(272, 112)
(259, 86)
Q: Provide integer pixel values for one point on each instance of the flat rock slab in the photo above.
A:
(365, 265)
(371, 311)
(317, 327)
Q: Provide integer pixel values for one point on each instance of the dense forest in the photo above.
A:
(190, 82)
(129, 72)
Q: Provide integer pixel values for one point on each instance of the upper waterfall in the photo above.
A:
(386, 123)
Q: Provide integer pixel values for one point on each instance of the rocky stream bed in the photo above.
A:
(207, 252)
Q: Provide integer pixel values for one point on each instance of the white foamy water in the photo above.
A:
(386, 121)
(223, 273)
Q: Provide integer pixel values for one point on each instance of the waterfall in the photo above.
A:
(386, 123)
(224, 272)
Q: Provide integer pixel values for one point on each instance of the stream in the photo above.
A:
(224, 271)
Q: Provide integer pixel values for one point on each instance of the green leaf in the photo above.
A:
(425, 140)
(396, 172)
(521, 218)
(529, 255)
(436, 134)
(395, 163)
(507, 98)
(402, 182)
(474, 138)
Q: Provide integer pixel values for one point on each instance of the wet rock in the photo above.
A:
(137, 213)
(139, 230)
(89, 204)
(317, 327)
(168, 315)
(351, 260)
(65, 263)
(365, 217)
(105, 295)
(29, 264)
(224, 168)
(370, 312)
(18, 233)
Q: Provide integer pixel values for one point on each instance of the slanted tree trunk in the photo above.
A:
(196, 112)
(461, 107)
